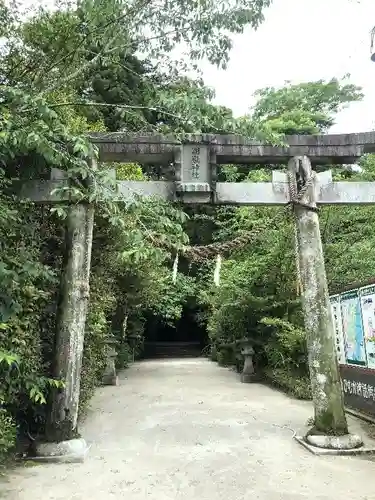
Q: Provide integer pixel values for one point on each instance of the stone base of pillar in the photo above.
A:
(248, 378)
(71, 451)
(346, 442)
(110, 379)
(350, 444)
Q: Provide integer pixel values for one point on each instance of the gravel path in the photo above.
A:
(187, 429)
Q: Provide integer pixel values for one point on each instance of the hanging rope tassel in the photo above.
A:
(175, 269)
(217, 270)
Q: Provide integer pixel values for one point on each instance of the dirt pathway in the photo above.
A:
(190, 430)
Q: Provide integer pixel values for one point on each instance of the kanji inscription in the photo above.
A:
(195, 162)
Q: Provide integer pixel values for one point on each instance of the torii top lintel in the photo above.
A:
(158, 149)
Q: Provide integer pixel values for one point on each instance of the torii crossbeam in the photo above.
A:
(195, 168)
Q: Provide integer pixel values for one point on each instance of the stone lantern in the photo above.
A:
(133, 339)
(110, 375)
(247, 351)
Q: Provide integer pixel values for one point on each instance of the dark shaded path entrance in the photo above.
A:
(176, 350)
(184, 339)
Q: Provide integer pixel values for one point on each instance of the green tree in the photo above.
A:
(58, 42)
(305, 108)
(88, 54)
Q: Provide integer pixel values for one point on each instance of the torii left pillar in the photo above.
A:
(64, 443)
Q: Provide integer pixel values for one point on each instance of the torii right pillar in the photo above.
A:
(330, 429)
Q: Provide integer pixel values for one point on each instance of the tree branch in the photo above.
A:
(121, 106)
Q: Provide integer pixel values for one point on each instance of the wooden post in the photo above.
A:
(327, 394)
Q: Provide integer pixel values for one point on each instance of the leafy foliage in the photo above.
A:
(87, 53)
(7, 432)
(27, 286)
(306, 108)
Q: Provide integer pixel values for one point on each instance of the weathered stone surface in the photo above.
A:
(326, 389)
(315, 450)
(248, 378)
(231, 193)
(248, 372)
(73, 450)
(322, 149)
(347, 442)
(110, 376)
(62, 421)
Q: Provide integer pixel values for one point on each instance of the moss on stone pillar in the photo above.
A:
(72, 310)
(326, 388)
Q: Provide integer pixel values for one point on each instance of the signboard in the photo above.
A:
(353, 317)
(358, 385)
(355, 351)
(337, 326)
(367, 298)
(195, 163)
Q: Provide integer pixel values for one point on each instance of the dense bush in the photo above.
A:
(98, 330)
(257, 298)
(286, 357)
(7, 433)
(27, 287)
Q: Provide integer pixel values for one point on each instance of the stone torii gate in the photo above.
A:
(194, 166)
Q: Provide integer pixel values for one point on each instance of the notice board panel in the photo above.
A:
(352, 327)
(359, 388)
(367, 296)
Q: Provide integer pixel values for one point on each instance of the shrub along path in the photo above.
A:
(187, 429)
